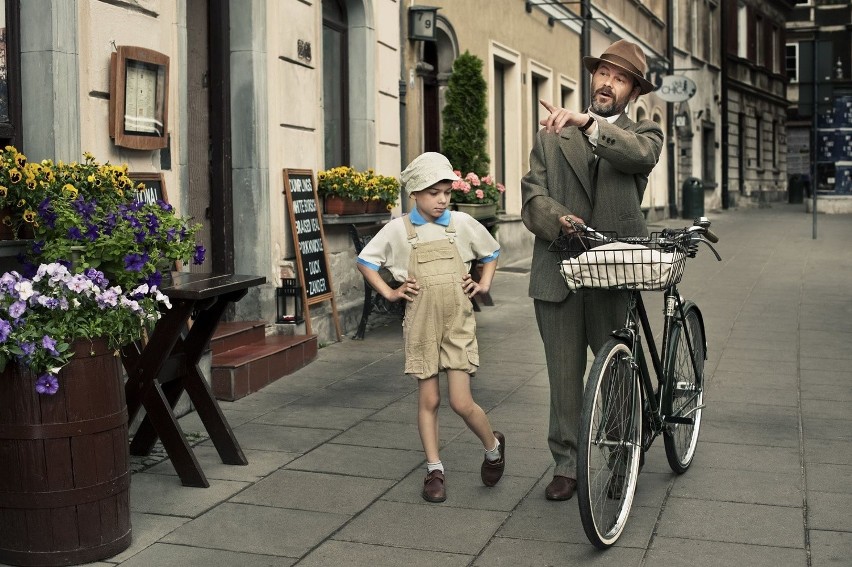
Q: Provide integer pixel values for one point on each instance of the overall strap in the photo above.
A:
(450, 229)
(411, 232)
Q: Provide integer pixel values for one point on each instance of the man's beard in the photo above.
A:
(612, 108)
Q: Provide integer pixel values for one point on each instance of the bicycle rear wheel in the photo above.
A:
(609, 444)
(685, 395)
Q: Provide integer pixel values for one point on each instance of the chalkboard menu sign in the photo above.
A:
(154, 187)
(309, 242)
(308, 236)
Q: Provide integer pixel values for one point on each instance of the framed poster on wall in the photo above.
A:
(138, 98)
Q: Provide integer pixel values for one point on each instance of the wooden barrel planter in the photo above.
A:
(64, 463)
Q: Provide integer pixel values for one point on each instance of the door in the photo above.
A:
(198, 123)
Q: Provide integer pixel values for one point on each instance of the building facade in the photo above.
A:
(754, 142)
(817, 63)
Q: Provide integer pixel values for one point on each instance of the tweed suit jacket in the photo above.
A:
(606, 193)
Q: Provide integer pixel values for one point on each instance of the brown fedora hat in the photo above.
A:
(625, 55)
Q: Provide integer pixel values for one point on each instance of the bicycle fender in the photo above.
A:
(689, 304)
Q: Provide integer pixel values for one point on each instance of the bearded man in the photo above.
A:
(591, 167)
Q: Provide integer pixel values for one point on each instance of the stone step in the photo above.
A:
(232, 334)
(247, 368)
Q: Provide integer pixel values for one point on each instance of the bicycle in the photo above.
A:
(622, 411)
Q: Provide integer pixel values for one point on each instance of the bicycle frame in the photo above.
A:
(636, 310)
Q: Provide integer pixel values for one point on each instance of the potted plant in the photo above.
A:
(476, 196)
(347, 191)
(88, 284)
(382, 192)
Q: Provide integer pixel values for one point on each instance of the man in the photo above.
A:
(593, 168)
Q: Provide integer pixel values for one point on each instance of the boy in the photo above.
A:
(429, 252)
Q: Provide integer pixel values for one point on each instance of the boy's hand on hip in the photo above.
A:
(472, 287)
(407, 290)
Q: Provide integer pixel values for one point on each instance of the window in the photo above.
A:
(758, 42)
(759, 142)
(775, 144)
(10, 76)
(742, 31)
(791, 62)
(500, 125)
(773, 56)
(335, 81)
(536, 87)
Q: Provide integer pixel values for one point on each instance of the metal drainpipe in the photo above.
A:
(723, 29)
(670, 142)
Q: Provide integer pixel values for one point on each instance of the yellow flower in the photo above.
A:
(30, 216)
(3, 191)
(68, 188)
(14, 175)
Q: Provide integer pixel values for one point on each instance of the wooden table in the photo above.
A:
(167, 365)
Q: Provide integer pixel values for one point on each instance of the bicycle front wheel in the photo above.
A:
(609, 444)
(685, 384)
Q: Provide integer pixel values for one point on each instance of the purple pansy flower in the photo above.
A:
(134, 262)
(17, 309)
(49, 345)
(5, 330)
(47, 384)
(198, 256)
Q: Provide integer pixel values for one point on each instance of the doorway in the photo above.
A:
(209, 131)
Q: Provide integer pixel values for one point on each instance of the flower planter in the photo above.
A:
(377, 206)
(339, 206)
(64, 464)
(477, 210)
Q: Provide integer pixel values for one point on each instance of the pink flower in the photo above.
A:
(480, 193)
(457, 172)
(501, 187)
(472, 178)
(487, 180)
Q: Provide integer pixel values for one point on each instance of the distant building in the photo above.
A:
(818, 61)
(755, 101)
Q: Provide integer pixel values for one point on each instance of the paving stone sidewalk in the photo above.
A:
(335, 463)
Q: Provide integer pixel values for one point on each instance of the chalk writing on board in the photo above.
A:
(308, 235)
(154, 189)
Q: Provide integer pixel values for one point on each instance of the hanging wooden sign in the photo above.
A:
(309, 243)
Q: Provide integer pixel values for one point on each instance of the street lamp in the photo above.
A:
(421, 23)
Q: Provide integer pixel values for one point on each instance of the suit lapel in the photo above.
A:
(574, 148)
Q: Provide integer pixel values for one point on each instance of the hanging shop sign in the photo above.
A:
(676, 88)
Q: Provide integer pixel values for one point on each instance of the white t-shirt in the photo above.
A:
(390, 247)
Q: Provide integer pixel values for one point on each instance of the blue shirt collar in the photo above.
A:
(417, 219)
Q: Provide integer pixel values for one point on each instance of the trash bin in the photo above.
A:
(693, 198)
(796, 189)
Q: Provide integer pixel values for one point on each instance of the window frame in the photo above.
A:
(11, 131)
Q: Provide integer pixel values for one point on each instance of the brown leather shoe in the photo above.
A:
(560, 488)
(433, 487)
(491, 471)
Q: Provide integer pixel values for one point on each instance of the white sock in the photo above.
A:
(493, 454)
(439, 466)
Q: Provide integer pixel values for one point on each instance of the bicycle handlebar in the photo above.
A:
(698, 232)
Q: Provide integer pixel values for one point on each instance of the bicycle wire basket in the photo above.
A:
(644, 264)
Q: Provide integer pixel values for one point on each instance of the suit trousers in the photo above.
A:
(568, 328)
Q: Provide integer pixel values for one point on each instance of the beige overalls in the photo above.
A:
(439, 327)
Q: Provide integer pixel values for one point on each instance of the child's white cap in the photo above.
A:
(426, 170)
